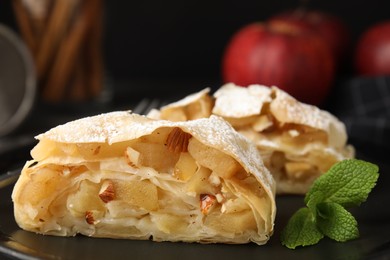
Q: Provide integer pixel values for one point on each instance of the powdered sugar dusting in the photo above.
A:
(287, 109)
(235, 101)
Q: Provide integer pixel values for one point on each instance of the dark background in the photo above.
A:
(153, 39)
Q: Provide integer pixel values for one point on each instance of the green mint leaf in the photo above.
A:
(315, 198)
(301, 230)
(347, 183)
(335, 222)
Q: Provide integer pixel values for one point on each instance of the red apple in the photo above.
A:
(333, 30)
(373, 51)
(298, 62)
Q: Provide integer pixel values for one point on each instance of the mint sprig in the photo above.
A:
(346, 184)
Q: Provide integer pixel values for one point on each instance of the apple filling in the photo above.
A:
(278, 143)
(167, 182)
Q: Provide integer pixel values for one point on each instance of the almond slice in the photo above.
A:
(177, 140)
(207, 202)
(132, 157)
(89, 217)
(107, 192)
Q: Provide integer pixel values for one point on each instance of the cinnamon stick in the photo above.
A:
(67, 55)
(93, 53)
(24, 22)
(58, 23)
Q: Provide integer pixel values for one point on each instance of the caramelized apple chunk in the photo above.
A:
(169, 223)
(85, 199)
(142, 194)
(231, 222)
(199, 183)
(155, 155)
(234, 205)
(50, 177)
(220, 163)
(185, 167)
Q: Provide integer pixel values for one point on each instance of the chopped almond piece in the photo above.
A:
(107, 192)
(207, 202)
(132, 157)
(177, 140)
(89, 217)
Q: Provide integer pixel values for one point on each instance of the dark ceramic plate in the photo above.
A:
(373, 217)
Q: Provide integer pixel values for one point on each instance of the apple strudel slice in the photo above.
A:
(298, 142)
(122, 175)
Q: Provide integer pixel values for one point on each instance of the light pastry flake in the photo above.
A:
(122, 175)
(298, 142)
